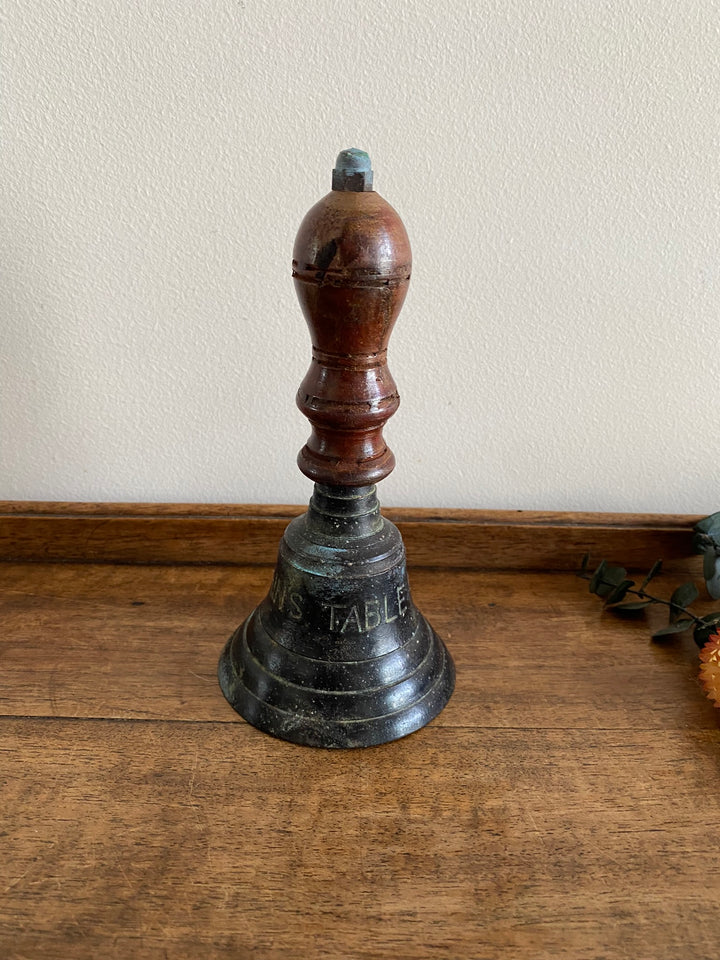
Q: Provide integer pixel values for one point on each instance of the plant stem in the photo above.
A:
(643, 595)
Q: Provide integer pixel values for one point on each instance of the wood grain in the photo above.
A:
(351, 269)
(250, 534)
(184, 840)
(564, 805)
(134, 642)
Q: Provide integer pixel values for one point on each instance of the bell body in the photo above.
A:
(338, 655)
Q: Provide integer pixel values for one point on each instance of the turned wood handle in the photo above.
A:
(351, 266)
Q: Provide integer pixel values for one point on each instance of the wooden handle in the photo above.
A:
(351, 266)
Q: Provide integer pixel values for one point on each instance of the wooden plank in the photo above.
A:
(143, 642)
(250, 534)
(147, 840)
(564, 805)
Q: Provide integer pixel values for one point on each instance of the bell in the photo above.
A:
(337, 654)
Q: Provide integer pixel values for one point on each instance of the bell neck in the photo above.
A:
(345, 512)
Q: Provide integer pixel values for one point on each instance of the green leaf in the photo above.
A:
(633, 608)
(680, 626)
(685, 594)
(618, 593)
(709, 525)
(611, 578)
(711, 617)
(584, 565)
(708, 564)
(702, 542)
(597, 576)
(653, 572)
(712, 583)
(709, 625)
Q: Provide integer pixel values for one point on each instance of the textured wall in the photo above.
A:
(556, 165)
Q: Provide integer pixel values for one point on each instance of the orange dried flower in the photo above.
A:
(710, 668)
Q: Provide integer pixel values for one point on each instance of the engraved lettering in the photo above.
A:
(286, 601)
(295, 612)
(372, 614)
(333, 615)
(402, 603)
(388, 618)
(363, 616)
(355, 616)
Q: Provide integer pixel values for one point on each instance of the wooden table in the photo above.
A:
(565, 804)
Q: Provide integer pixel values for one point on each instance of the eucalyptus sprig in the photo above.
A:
(611, 583)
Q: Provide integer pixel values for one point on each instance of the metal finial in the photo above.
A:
(352, 171)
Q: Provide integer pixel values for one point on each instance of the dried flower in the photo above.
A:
(710, 668)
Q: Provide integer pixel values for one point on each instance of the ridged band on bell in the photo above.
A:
(351, 267)
(338, 655)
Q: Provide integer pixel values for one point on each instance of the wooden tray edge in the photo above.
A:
(249, 534)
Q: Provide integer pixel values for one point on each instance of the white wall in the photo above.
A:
(556, 166)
